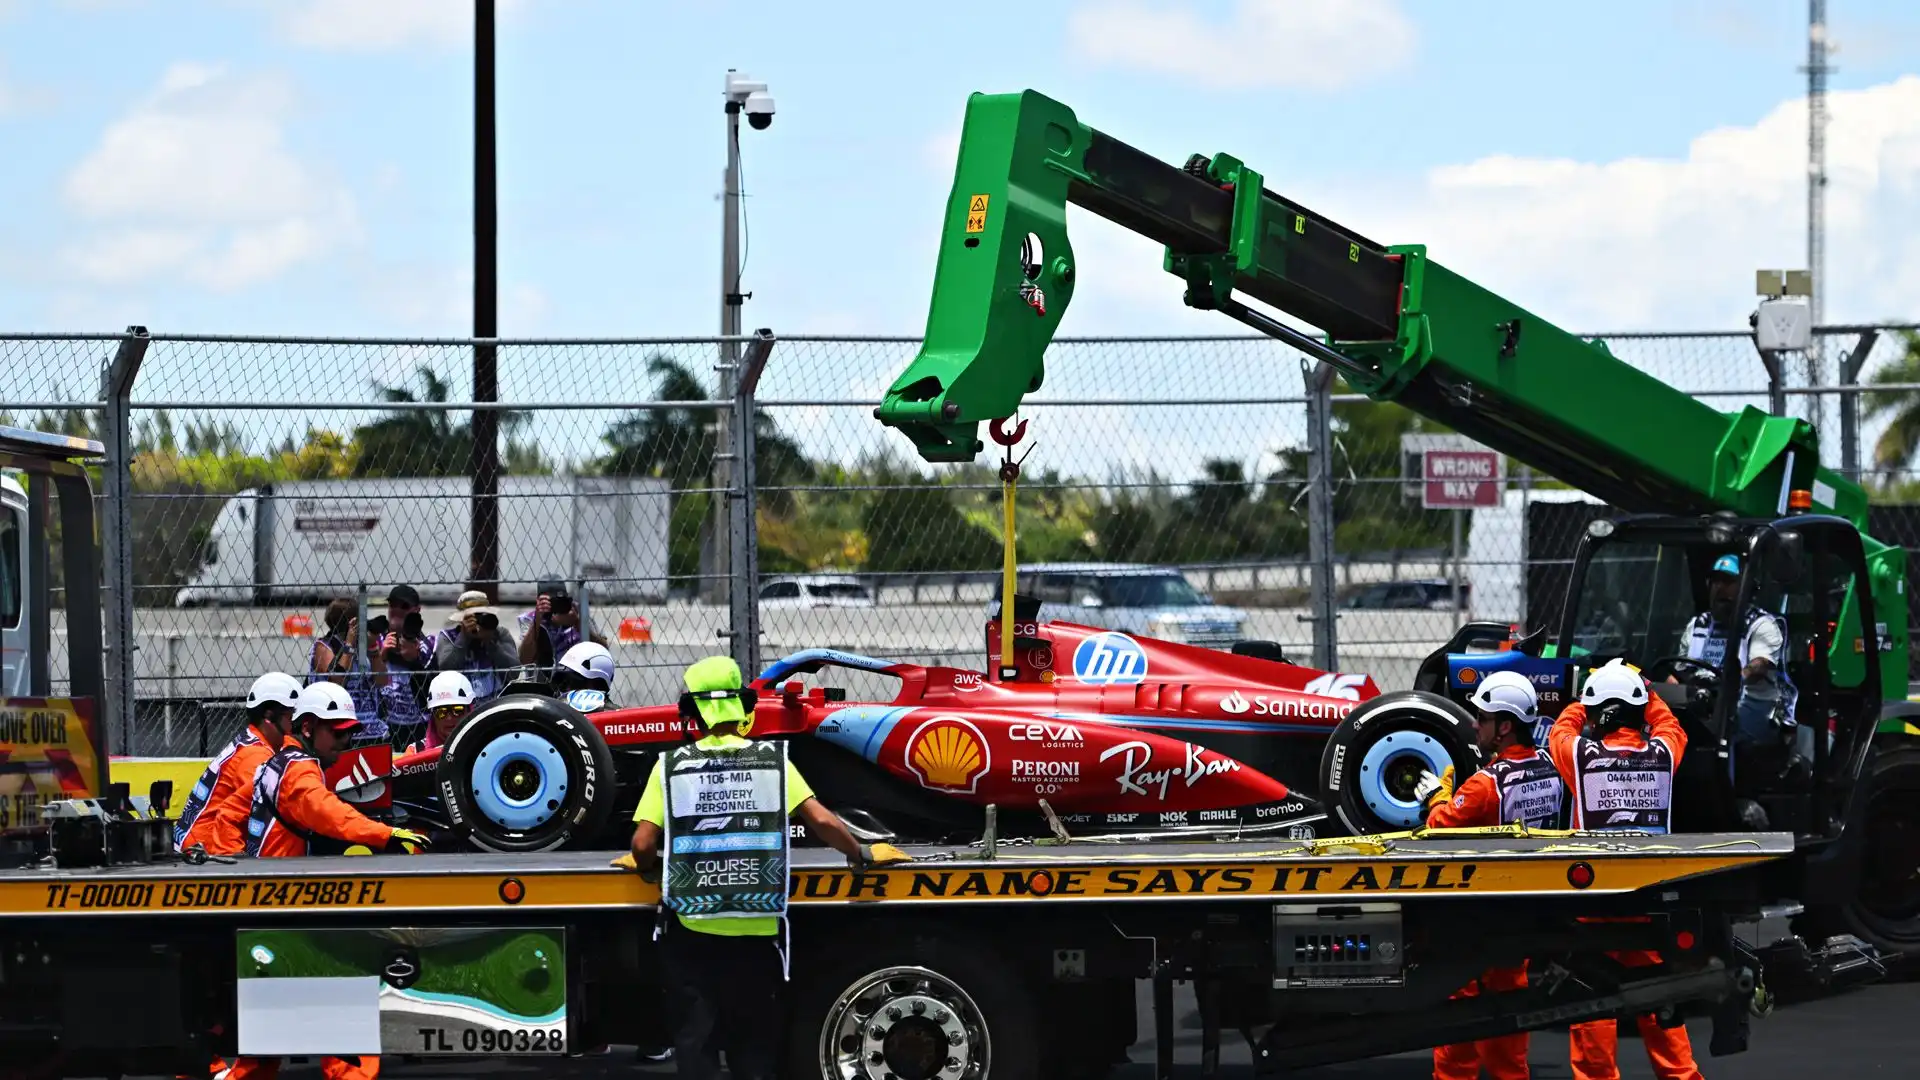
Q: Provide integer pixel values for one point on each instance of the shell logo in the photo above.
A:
(1469, 676)
(947, 753)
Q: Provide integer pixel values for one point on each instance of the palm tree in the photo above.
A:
(1896, 446)
(420, 442)
(679, 445)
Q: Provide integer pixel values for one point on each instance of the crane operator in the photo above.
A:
(1620, 775)
(1767, 696)
(1519, 786)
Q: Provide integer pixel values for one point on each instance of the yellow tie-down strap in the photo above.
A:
(1344, 868)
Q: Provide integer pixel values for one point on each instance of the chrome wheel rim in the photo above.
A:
(904, 1023)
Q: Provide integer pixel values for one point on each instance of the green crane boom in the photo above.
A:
(1397, 326)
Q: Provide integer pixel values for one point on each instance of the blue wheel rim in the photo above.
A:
(1392, 753)
(519, 780)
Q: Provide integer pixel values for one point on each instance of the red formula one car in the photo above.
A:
(1115, 734)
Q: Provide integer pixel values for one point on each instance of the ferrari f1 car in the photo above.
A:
(1100, 733)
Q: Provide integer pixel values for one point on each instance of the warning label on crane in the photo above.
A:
(1459, 479)
(977, 214)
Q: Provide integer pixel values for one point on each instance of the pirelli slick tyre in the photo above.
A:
(526, 773)
(875, 1005)
(1374, 759)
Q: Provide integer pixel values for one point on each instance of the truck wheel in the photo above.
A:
(1375, 757)
(1885, 912)
(913, 1009)
(526, 774)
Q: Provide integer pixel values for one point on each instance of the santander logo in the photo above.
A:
(1233, 704)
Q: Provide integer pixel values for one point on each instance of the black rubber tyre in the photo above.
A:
(1418, 729)
(996, 1012)
(555, 742)
(1885, 911)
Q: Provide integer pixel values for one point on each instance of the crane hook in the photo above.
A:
(998, 429)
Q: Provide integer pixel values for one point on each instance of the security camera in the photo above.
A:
(760, 110)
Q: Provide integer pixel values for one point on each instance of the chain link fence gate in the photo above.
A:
(268, 478)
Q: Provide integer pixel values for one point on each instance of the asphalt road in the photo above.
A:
(1867, 1032)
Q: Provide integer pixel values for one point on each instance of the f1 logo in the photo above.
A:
(712, 823)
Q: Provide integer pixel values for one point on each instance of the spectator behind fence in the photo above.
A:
(476, 645)
(335, 660)
(407, 649)
(552, 627)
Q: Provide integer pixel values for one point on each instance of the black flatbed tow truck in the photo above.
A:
(1016, 959)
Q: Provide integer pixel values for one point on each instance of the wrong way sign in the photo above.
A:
(1460, 479)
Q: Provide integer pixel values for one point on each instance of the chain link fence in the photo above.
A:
(277, 491)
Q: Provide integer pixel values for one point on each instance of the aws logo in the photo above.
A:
(947, 753)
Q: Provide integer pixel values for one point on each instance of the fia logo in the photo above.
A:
(1233, 704)
(1335, 685)
(1110, 659)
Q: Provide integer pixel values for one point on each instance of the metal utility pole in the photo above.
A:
(1320, 604)
(743, 95)
(484, 456)
(1817, 70)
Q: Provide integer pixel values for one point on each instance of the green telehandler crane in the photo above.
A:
(1692, 482)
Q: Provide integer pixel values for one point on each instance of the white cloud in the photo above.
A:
(1265, 43)
(372, 25)
(197, 180)
(1631, 243)
(1641, 242)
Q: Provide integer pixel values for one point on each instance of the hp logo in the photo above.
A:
(1110, 659)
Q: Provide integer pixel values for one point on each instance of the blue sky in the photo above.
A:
(342, 129)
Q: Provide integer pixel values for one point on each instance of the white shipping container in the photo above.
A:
(310, 541)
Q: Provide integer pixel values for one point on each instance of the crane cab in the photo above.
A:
(1785, 749)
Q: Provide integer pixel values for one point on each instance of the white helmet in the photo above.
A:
(274, 688)
(1614, 681)
(328, 701)
(1507, 692)
(591, 661)
(449, 688)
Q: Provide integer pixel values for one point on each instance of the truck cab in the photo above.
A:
(226, 571)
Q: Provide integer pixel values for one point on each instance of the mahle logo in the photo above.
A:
(1110, 659)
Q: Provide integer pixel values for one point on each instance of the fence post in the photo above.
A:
(1319, 379)
(743, 520)
(116, 529)
(1850, 365)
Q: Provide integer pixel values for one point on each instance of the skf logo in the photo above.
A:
(947, 753)
(1233, 704)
